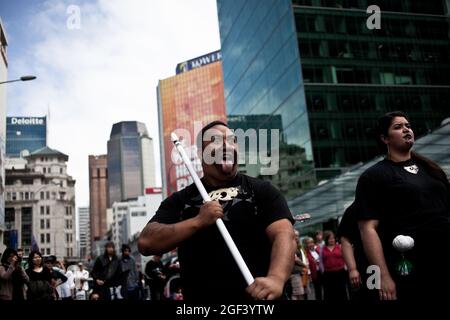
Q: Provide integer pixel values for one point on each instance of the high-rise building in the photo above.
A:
(186, 102)
(3, 77)
(131, 166)
(25, 133)
(84, 232)
(329, 74)
(40, 205)
(98, 196)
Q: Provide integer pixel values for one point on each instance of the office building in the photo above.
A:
(98, 196)
(3, 77)
(131, 166)
(25, 133)
(40, 205)
(84, 233)
(330, 74)
(186, 102)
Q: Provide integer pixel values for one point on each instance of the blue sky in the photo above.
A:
(104, 72)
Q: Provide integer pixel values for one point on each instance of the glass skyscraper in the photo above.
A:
(130, 161)
(319, 65)
(25, 133)
(263, 81)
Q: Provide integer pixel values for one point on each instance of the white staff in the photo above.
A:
(220, 225)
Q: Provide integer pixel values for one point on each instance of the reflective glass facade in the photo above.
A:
(353, 74)
(318, 65)
(263, 82)
(25, 133)
(125, 167)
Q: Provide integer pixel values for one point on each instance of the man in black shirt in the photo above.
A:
(254, 212)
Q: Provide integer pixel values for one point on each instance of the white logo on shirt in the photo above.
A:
(224, 194)
(412, 169)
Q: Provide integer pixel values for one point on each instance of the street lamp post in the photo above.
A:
(23, 78)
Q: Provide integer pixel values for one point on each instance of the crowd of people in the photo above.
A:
(400, 203)
(46, 278)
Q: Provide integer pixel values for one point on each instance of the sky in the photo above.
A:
(98, 62)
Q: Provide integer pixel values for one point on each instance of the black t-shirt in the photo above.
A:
(406, 203)
(208, 270)
(348, 227)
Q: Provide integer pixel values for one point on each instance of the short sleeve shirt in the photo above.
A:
(208, 270)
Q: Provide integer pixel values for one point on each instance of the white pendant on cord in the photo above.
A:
(403, 243)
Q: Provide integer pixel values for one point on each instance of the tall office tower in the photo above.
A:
(98, 196)
(325, 68)
(131, 166)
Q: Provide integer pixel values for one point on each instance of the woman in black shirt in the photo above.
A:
(404, 194)
(39, 286)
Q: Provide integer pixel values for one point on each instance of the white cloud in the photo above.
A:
(106, 71)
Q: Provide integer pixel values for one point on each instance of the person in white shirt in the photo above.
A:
(66, 288)
(81, 281)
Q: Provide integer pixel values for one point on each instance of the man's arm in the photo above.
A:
(349, 258)
(158, 238)
(281, 235)
(375, 255)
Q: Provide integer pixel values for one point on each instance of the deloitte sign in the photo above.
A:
(28, 121)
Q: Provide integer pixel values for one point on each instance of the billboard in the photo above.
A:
(187, 102)
(198, 62)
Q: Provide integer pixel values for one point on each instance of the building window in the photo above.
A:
(48, 251)
(42, 238)
(48, 237)
(48, 210)
(61, 171)
(42, 210)
(14, 196)
(45, 170)
(8, 196)
(67, 211)
(67, 237)
(68, 252)
(48, 224)
(42, 224)
(47, 195)
(27, 196)
(42, 195)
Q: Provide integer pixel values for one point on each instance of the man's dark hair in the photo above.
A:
(125, 247)
(206, 128)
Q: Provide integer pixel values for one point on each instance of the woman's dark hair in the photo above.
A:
(431, 167)
(30, 259)
(326, 235)
(109, 244)
(6, 254)
(382, 127)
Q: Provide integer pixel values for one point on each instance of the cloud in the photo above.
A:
(106, 71)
